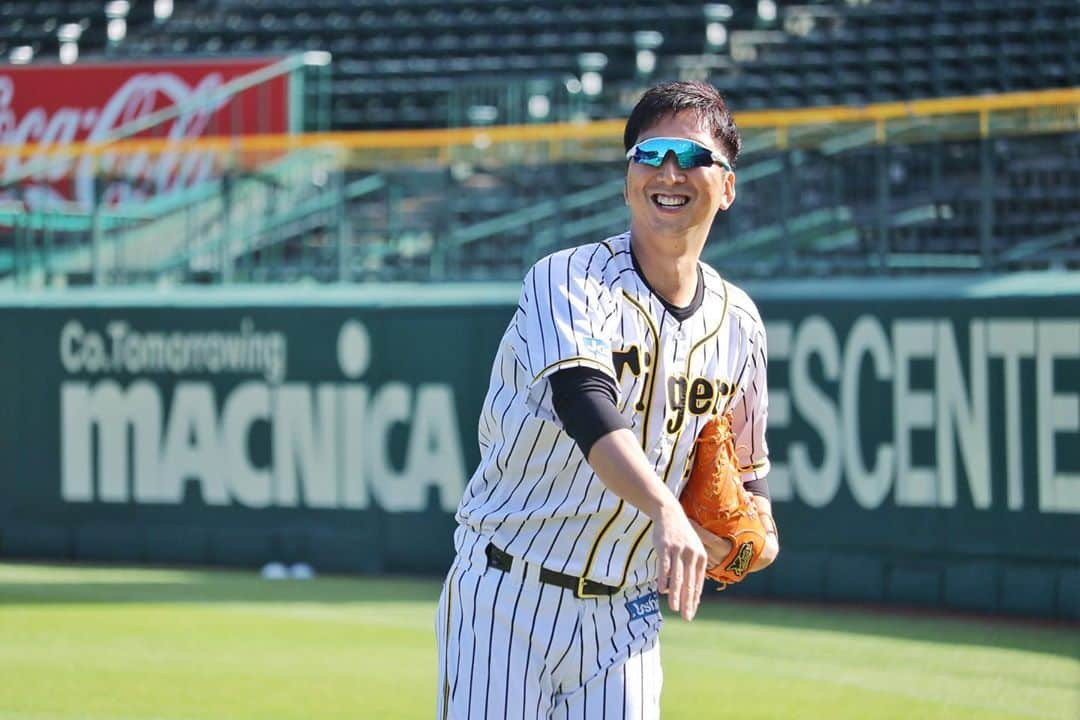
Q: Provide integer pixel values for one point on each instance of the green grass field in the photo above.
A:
(134, 644)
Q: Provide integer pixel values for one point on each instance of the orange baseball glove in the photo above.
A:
(715, 498)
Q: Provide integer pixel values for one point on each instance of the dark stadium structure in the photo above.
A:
(923, 204)
(397, 62)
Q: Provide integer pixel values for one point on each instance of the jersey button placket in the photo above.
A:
(679, 336)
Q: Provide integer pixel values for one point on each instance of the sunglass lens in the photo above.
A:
(649, 157)
(687, 154)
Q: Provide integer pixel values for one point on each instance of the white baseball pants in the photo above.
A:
(511, 646)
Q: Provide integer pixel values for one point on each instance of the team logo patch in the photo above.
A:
(643, 606)
(596, 347)
(741, 562)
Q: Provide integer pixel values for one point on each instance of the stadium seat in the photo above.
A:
(404, 63)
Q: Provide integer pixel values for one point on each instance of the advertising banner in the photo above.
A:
(53, 105)
(927, 452)
(924, 451)
(239, 435)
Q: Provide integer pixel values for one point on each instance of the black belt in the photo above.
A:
(582, 587)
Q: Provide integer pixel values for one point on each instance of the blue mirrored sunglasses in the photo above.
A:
(688, 153)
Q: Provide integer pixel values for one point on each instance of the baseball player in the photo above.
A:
(618, 353)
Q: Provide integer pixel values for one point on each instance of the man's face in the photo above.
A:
(670, 201)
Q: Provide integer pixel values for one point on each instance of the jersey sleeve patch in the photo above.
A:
(565, 313)
(597, 349)
(565, 319)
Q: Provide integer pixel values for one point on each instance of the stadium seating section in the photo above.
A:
(396, 61)
(414, 63)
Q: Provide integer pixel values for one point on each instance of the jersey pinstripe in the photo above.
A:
(533, 494)
(512, 648)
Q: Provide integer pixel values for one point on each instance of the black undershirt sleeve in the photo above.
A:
(758, 486)
(584, 399)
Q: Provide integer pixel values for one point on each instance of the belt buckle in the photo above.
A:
(580, 591)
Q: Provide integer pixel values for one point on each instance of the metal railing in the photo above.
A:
(816, 186)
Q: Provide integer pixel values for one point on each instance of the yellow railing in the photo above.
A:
(1048, 111)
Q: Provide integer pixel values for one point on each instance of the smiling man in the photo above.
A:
(619, 353)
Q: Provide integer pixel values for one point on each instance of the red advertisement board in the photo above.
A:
(49, 105)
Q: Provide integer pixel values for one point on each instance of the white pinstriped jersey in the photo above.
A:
(533, 494)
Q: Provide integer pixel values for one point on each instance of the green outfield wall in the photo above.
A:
(925, 434)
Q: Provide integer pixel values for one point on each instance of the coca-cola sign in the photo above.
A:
(46, 106)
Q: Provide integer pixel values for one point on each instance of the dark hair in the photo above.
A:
(673, 97)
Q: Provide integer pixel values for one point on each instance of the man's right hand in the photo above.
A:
(682, 559)
(621, 465)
